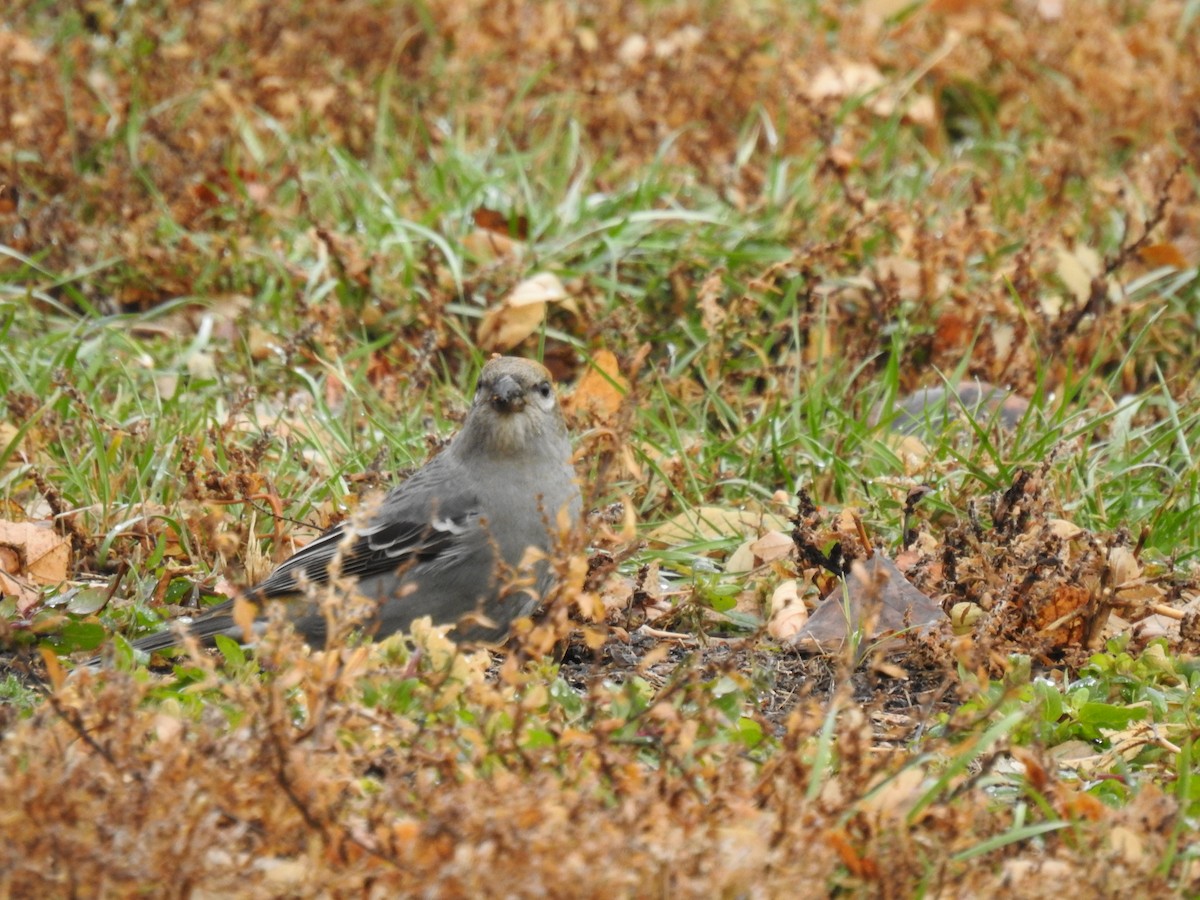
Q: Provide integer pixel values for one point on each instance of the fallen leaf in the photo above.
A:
(708, 298)
(710, 523)
(1050, 10)
(1163, 255)
(788, 611)
(601, 390)
(772, 546)
(875, 599)
(845, 80)
(1076, 268)
(616, 593)
(520, 314)
(26, 594)
(742, 559)
(501, 223)
(486, 245)
(1063, 616)
(31, 554)
(964, 615)
(1123, 565)
(39, 557)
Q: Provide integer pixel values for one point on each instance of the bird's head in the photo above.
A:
(515, 411)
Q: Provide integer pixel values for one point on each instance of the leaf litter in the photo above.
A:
(382, 771)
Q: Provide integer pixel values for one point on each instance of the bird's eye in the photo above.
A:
(545, 390)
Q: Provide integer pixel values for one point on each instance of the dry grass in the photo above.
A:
(1015, 200)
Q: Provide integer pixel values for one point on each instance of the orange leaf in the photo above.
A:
(601, 389)
(509, 226)
(54, 669)
(1163, 255)
(520, 313)
(31, 554)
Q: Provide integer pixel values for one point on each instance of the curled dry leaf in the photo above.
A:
(1063, 617)
(487, 245)
(772, 546)
(856, 79)
(1065, 529)
(1123, 565)
(963, 617)
(1076, 267)
(616, 593)
(520, 314)
(788, 612)
(600, 391)
(889, 802)
(710, 523)
(1164, 255)
(31, 554)
(874, 599)
(742, 559)
(494, 220)
(8, 434)
(754, 552)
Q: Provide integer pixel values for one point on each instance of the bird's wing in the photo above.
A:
(427, 520)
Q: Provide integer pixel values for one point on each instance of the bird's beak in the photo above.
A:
(507, 395)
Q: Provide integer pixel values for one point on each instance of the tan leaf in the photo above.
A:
(8, 434)
(964, 615)
(772, 546)
(1076, 268)
(1065, 529)
(24, 591)
(875, 599)
(37, 552)
(846, 80)
(503, 327)
(31, 554)
(788, 612)
(1061, 618)
(1163, 255)
(709, 523)
(519, 314)
(712, 315)
(741, 559)
(616, 593)
(1123, 565)
(487, 245)
(601, 390)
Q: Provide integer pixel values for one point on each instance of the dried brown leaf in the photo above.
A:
(519, 314)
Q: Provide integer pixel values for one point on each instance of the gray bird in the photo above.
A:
(933, 410)
(465, 540)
